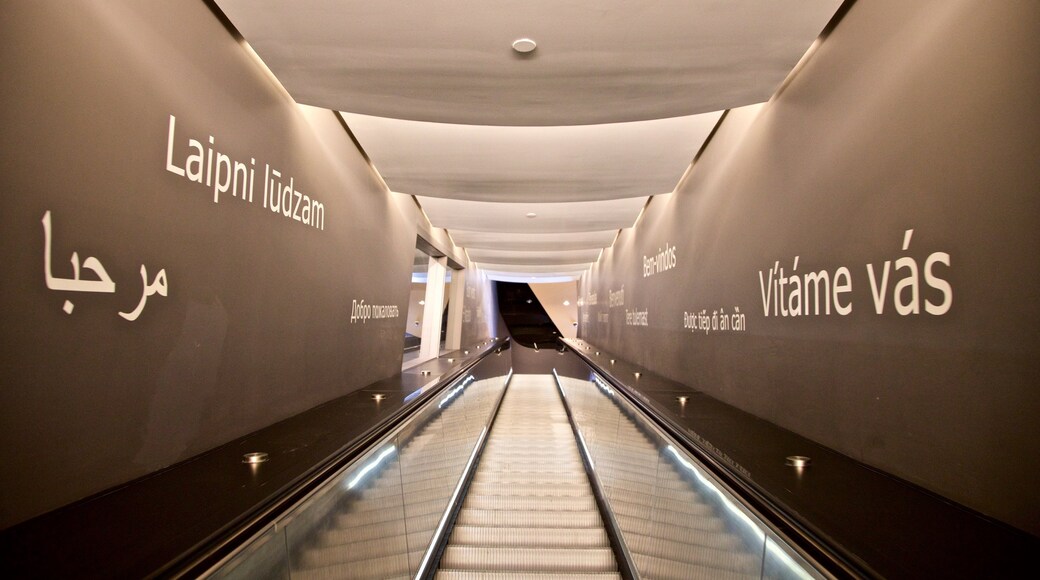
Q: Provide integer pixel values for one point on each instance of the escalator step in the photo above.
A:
(525, 519)
(524, 490)
(530, 503)
(529, 559)
(512, 477)
(481, 575)
(529, 537)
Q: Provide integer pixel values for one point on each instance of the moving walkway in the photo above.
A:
(521, 476)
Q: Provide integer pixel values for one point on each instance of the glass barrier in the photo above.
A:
(676, 519)
(377, 517)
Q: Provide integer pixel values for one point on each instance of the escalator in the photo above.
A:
(530, 509)
(523, 476)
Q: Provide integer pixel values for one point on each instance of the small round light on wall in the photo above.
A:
(524, 45)
(254, 458)
(451, 360)
(531, 214)
(611, 361)
(682, 400)
(378, 398)
(422, 303)
(566, 302)
(528, 300)
(465, 352)
(637, 374)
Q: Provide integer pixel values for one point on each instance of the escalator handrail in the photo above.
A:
(205, 555)
(626, 564)
(431, 558)
(833, 557)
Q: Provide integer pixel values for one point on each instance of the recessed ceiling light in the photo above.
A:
(524, 45)
(531, 214)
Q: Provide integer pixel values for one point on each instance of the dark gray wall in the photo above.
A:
(911, 115)
(257, 321)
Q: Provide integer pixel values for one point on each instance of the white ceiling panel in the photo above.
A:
(534, 269)
(533, 278)
(560, 241)
(578, 216)
(597, 61)
(532, 164)
(534, 258)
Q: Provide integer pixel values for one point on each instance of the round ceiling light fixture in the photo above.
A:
(524, 45)
(531, 214)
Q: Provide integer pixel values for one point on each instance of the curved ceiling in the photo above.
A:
(550, 218)
(534, 241)
(532, 162)
(597, 61)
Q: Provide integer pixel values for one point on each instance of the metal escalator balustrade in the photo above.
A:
(677, 521)
(530, 510)
(377, 518)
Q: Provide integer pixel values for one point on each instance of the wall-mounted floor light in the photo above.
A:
(254, 458)
(798, 461)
